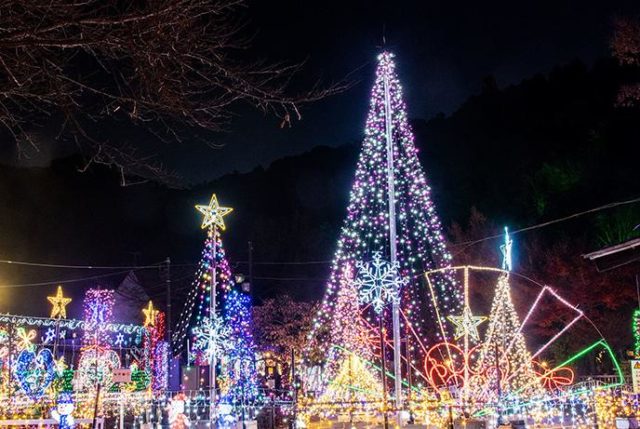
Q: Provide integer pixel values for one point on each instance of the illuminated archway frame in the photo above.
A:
(545, 289)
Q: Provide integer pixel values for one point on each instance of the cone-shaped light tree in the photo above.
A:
(350, 333)
(504, 357)
(197, 306)
(407, 231)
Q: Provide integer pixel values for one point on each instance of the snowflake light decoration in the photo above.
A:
(377, 282)
(212, 337)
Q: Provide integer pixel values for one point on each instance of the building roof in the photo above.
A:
(615, 256)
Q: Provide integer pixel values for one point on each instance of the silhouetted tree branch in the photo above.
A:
(166, 65)
(625, 45)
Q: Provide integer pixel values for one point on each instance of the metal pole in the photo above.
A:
(213, 411)
(168, 283)
(408, 355)
(273, 410)
(95, 408)
(384, 373)
(397, 369)
(121, 408)
(295, 389)
(251, 267)
(499, 385)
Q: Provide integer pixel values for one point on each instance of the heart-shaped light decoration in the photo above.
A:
(35, 372)
(96, 366)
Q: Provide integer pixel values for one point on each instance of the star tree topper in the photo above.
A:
(59, 302)
(213, 213)
(467, 324)
(377, 282)
(150, 314)
(506, 251)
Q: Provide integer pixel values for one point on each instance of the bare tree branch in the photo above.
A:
(168, 66)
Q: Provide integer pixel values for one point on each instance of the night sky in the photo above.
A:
(444, 51)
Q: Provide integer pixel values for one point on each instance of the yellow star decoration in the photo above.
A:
(59, 302)
(467, 324)
(213, 213)
(150, 314)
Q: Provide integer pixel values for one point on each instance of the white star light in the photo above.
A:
(377, 282)
(212, 337)
(467, 324)
(49, 336)
(119, 340)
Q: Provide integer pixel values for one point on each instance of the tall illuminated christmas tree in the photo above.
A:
(390, 211)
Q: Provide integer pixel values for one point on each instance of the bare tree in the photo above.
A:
(169, 66)
(625, 45)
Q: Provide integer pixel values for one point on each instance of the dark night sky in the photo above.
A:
(444, 50)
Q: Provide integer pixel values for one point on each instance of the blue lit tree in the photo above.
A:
(239, 362)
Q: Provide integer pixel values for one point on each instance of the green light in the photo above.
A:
(612, 356)
(635, 328)
(572, 359)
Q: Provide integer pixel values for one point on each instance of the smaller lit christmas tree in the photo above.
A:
(504, 356)
(196, 309)
(350, 335)
(355, 385)
(239, 363)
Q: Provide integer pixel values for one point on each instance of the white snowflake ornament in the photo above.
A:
(378, 282)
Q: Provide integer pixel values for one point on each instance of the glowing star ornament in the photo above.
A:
(150, 314)
(467, 324)
(59, 302)
(213, 214)
(378, 282)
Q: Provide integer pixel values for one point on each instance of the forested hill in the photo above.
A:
(569, 146)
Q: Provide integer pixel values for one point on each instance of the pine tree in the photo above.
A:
(504, 356)
(420, 242)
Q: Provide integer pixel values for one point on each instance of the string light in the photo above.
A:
(420, 240)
